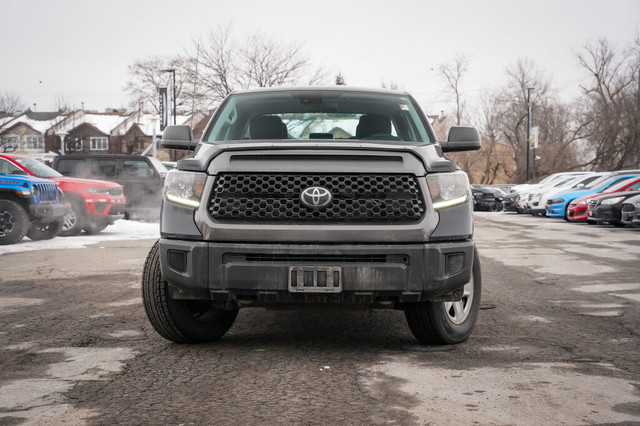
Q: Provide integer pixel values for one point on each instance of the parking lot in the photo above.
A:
(556, 342)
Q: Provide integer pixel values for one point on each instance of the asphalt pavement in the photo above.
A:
(556, 343)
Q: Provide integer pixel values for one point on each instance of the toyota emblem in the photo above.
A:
(316, 197)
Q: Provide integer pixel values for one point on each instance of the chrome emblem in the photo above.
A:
(316, 197)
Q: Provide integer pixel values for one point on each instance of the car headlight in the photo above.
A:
(448, 189)
(184, 188)
(610, 201)
(98, 190)
(583, 202)
(556, 201)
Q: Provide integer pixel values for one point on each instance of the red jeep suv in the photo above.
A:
(95, 204)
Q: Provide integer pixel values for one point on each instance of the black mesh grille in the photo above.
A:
(356, 198)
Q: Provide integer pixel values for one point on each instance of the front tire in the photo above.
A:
(14, 222)
(73, 222)
(447, 322)
(180, 321)
(44, 231)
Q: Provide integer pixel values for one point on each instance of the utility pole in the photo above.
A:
(173, 85)
(528, 128)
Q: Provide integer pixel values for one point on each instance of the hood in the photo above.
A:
(86, 182)
(430, 154)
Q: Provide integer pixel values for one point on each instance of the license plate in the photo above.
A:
(315, 279)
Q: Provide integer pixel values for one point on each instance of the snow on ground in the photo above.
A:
(121, 230)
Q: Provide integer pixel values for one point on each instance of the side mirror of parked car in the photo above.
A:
(178, 137)
(462, 139)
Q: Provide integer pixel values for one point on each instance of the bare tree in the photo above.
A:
(611, 101)
(452, 73)
(146, 76)
(222, 64)
(11, 103)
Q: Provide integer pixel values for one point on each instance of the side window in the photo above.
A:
(104, 168)
(7, 167)
(70, 167)
(136, 169)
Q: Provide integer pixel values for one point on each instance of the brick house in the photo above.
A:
(25, 134)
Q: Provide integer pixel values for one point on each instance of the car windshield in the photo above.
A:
(598, 182)
(621, 184)
(319, 114)
(37, 168)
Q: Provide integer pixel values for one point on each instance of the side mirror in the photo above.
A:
(580, 186)
(178, 137)
(462, 139)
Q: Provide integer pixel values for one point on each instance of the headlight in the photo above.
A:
(583, 202)
(98, 190)
(610, 201)
(184, 188)
(448, 189)
(556, 201)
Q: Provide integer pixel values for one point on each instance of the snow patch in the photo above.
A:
(119, 231)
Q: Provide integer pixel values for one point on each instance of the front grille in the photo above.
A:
(114, 192)
(45, 193)
(276, 198)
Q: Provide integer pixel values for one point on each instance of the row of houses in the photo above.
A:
(44, 134)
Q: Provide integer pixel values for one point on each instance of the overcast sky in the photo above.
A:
(80, 49)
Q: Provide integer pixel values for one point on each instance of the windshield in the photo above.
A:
(621, 184)
(318, 114)
(37, 168)
(596, 183)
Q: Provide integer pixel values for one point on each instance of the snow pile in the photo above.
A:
(121, 230)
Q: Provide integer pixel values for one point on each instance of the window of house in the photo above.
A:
(9, 143)
(99, 143)
(35, 142)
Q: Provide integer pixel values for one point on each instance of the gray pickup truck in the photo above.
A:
(315, 197)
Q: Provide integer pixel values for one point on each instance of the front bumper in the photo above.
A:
(605, 214)
(577, 213)
(258, 274)
(47, 212)
(631, 217)
(556, 210)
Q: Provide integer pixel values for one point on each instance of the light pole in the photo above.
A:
(529, 89)
(173, 85)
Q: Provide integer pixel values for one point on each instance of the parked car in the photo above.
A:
(510, 202)
(142, 177)
(607, 208)
(28, 206)
(93, 204)
(577, 209)
(630, 211)
(538, 202)
(315, 196)
(557, 206)
(526, 191)
(487, 198)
